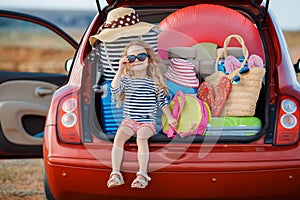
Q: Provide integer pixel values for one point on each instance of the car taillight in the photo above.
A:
(68, 120)
(287, 131)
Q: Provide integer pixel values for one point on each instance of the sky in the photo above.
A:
(287, 11)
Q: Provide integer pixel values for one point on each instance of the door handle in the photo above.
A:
(43, 91)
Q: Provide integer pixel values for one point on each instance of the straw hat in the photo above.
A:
(121, 22)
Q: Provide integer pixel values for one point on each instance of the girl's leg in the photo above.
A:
(122, 135)
(143, 134)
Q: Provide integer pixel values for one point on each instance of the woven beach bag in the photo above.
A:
(246, 83)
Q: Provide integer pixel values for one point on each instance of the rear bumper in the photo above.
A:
(70, 181)
(73, 172)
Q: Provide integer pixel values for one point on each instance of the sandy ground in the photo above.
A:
(23, 178)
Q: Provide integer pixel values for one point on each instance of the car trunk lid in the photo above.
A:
(176, 3)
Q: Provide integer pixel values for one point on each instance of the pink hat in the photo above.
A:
(181, 71)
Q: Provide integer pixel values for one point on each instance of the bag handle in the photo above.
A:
(224, 50)
(240, 40)
(176, 112)
(108, 59)
(178, 107)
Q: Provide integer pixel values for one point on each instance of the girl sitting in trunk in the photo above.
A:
(139, 84)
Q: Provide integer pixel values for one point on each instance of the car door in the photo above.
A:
(33, 53)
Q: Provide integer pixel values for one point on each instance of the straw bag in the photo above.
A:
(246, 80)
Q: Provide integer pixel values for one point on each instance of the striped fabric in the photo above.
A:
(142, 98)
(115, 49)
(182, 72)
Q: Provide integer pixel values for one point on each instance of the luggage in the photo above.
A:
(246, 78)
(233, 126)
(174, 87)
(192, 115)
(229, 126)
(111, 115)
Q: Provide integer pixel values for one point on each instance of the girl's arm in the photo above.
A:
(171, 120)
(117, 79)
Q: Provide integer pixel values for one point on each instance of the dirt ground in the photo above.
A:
(23, 178)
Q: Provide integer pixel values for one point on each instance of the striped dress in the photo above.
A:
(142, 98)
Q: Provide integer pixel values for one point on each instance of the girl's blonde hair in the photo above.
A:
(153, 70)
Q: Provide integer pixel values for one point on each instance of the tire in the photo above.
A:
(47, 192)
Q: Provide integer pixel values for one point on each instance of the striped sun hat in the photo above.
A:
(181, 71)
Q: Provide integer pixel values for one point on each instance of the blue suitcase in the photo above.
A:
(174, 87)
(111, 115)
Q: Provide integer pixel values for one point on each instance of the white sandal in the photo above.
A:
(115, 181)
(142, 183)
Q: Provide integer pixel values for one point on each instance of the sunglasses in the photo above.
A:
(141, 57)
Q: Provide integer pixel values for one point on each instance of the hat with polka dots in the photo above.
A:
(121, 22)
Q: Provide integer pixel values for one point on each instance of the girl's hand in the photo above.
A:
(172, 121)
(117, 79)
(123, 63)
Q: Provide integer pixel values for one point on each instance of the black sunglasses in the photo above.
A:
(141, 57)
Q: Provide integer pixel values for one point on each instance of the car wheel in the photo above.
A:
(47, 192)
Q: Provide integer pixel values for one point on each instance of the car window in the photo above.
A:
(29, 47)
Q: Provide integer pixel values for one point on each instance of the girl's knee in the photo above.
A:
(124, 133)
(145, 133)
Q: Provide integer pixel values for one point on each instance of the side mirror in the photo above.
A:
(297, 66)
(68, 64)
(297, 69)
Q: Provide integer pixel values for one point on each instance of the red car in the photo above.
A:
(238, 157)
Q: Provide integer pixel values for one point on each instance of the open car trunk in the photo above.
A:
(203, 27)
